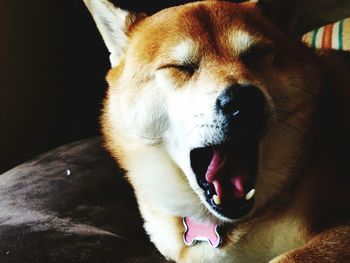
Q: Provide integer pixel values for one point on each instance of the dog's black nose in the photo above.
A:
(243, 107)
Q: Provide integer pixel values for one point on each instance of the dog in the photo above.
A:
(232, 133)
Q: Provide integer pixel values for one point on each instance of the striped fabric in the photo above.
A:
(334, 36)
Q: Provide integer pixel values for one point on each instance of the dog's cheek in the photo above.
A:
(170, 79)
(177, 106)
(144, 113)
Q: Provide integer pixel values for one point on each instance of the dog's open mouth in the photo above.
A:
(226, 173)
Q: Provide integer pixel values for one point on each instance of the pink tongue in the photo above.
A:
(217, 162)
(218, 189)
(212, 175)
(237, 182)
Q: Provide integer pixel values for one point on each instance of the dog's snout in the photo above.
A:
(243, 106)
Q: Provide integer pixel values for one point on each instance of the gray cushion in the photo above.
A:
(71, 205)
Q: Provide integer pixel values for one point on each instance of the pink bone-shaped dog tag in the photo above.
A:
(200, 231)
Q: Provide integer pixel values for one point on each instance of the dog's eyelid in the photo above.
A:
(265, 49)
(189, 67)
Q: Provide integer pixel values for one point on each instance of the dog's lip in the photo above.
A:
(226, 172)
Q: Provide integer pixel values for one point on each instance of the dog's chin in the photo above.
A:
(226, 173)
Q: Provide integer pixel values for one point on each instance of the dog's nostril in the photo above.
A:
(227, 101)
(244, 105)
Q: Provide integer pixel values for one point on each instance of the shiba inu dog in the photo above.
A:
(231, 133)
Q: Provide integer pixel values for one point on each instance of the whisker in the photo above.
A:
(292, 126)
(148, 138)
(286, 114)
(192, 129)
(142, 136)
(198, 115)
(210, 92)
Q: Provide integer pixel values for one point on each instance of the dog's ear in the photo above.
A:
(114, 25)
(282, 12)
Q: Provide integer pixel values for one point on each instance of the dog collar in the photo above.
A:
(200, 231)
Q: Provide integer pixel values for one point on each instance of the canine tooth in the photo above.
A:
(216, 200)
(250, 194)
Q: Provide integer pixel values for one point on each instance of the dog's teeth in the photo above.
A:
(216, 200)
(250, 194)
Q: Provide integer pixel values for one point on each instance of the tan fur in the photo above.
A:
(152, 106)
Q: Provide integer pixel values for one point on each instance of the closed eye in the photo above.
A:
(188, 68)
(256, 53)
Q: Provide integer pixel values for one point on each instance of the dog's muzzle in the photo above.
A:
(243, 108)
(227, 170)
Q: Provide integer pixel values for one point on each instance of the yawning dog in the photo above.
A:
(231, 133)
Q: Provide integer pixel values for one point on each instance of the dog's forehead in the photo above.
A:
(182, 31)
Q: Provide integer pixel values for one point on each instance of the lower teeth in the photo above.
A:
(250, 194)
(216, 200)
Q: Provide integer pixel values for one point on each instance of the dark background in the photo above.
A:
(52, 68)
